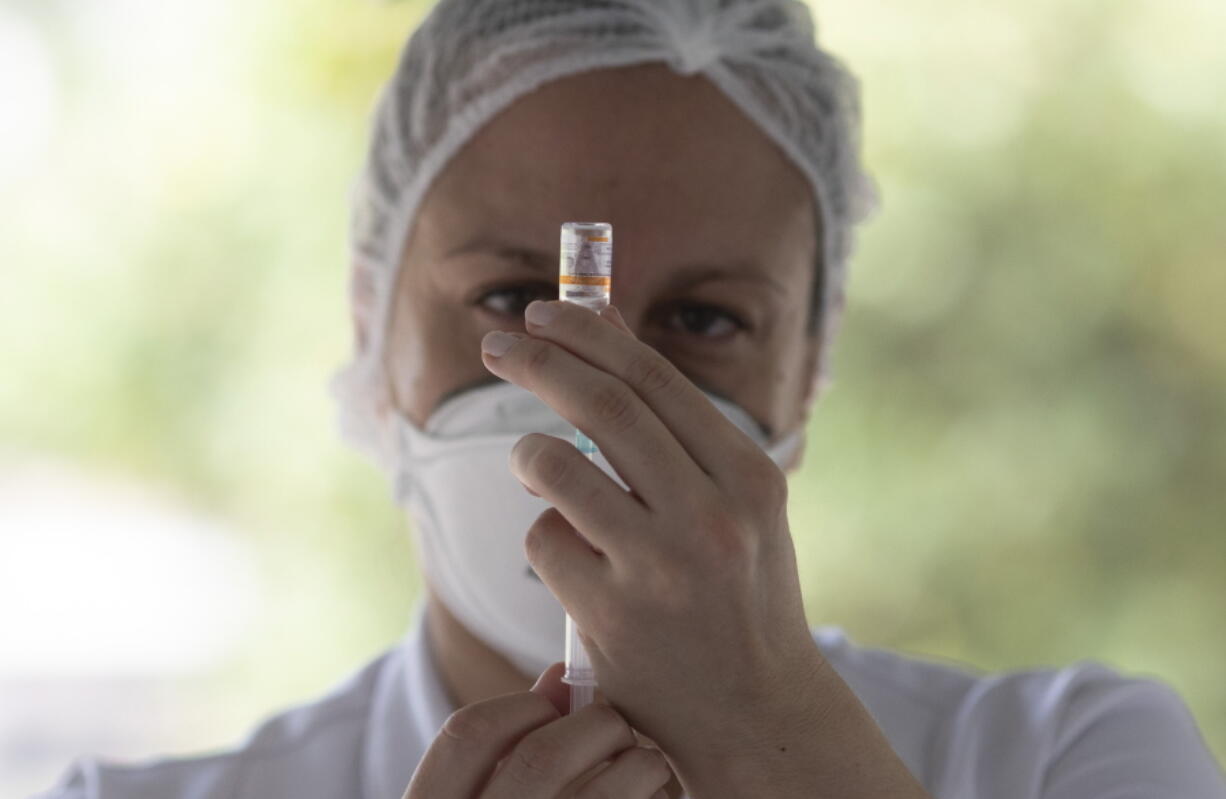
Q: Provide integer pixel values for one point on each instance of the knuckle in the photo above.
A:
(729, 541)
(538, 354)
(766, 483)
(539, 457)
(468, 725)
(615, 406)
(615, 721)
(600, 789)
(638, 759)
(533, 761)
(650, 761)
(535, 549)
(652, 374)
(549, 464)
(543, 706)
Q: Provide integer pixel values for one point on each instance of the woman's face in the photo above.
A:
(714, 230)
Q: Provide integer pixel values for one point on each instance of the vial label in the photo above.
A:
(585, 274)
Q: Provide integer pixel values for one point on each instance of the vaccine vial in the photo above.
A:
(585, 277)
(585, 273)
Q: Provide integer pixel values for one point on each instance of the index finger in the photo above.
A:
(472, 740)
(703, 431)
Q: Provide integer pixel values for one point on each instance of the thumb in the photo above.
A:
(550, 686)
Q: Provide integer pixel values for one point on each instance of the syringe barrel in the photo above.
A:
(585, 277)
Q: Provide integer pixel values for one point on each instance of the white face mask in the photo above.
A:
(472, 514)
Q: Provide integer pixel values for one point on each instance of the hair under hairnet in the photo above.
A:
(472, 58)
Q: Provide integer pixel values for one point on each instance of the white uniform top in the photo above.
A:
(1081, 732)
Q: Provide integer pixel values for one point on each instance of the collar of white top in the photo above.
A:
(409, 705)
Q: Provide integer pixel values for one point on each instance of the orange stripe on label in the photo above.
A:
(598, 238)
(586, 280)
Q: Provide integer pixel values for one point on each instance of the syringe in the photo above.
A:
(585, 276)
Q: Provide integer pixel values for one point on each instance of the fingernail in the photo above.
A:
(541, 680)
(496, 342)
(541, 313)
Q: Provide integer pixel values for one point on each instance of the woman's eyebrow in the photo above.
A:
(504, 249)
(746, 271)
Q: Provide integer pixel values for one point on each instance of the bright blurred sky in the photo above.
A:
(187, 585)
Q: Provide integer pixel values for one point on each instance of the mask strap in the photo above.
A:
(402, 465)
(783, 451)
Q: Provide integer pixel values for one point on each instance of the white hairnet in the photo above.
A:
(472, 58)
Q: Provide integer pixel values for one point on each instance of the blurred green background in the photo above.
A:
(1021, 462)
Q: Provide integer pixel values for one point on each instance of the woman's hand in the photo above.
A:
(688, 595)
(522, 746)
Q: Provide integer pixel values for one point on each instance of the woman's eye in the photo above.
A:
(512, 300)
(706, 321)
